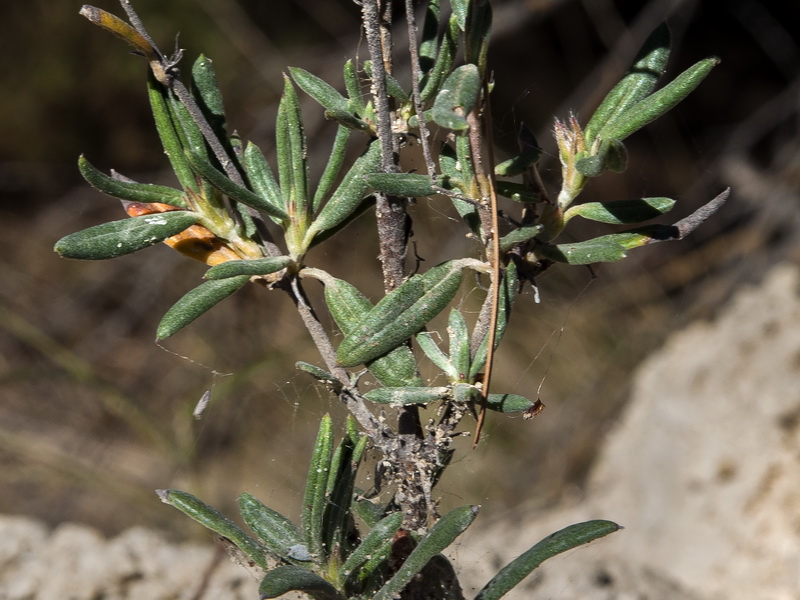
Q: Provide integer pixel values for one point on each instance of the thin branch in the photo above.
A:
(354, 402)
(486, 183)
(419, 109)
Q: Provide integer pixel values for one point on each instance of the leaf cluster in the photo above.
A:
(253, 222)
(330, 557)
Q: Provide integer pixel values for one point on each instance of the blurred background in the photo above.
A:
(94, 415)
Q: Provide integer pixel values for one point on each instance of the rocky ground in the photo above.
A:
(701, 471)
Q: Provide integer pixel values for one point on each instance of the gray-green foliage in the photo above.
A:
(250, 221)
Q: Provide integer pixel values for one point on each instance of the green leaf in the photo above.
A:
(658, 103)
(356, 104)
(117, 238)
(517, 192)
(319, 90)
(320, 375)
(507, 403)
(253, 267)
(441, 535)
(196, 302)
(436, 355)
(457, 98)
(600, 249)
(508, 293)
(622, 211)
(127, 190)
(173, 148)
(460, 12)
(402, 396)
(192, 139)
(339, 528)
(350, 193)
(348, 306)
(277, 532)
(288, 578)
(400, 314)
(234, 191)
(292, 152)
(639, 82)
(431, 81)
(212, 519)
(376, 545)
(410, 185)
(458, 334)
(393, 87)
(209, 96)
(333, 167)
(262, 180)
(611, 156)
(519, 164)
(314, 500)
(519, 236)
(479, 26)
(429, 40)
(561, 541)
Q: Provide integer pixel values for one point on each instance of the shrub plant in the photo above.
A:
(256, 223)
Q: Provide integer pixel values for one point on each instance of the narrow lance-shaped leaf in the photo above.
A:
(320, 375)
(209, 96)
(376, 544)
(400, 314)
(319, 90)
(127, 190)
(561, 541)
(508, 403)
(258, 266)
(316, 484)
(347, 306)
(333, 167)
(519, 236)
(429, 44)
(622, 211)
(192, 139)
(356, 102)
(173, 148)
(436, 355)
(232, 190)
(441, 535)
(215, 521)
(277, 532)
(476, 40)
(458, 335)
(348, 196)
(660, 102)
(519, 164)
(432, 80)
(403, 396)
(117, 238)
(262, 180)
(393, 87)
(196, 302)
(291, 148)
(517, 192)
(409, 185)
(641, 79)
(288, 578)
(337, 524)
(508, 293)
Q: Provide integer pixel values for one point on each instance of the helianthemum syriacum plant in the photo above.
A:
(252, 224)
